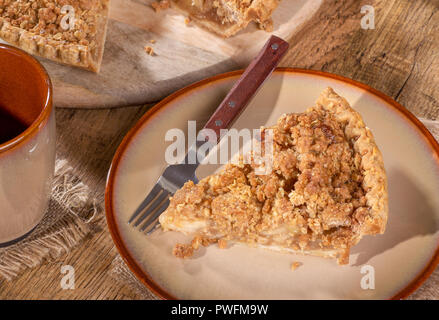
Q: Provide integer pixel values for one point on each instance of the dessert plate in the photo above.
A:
(381, 267)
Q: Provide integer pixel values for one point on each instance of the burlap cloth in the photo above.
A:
(70, 218)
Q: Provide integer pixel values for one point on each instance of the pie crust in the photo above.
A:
(327, 189)
(35, 26)
(227, 17)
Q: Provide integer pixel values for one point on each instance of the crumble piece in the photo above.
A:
(183, 250)
(328, 188)
(43, 28)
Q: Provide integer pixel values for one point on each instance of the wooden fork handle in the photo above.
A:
(247, 86)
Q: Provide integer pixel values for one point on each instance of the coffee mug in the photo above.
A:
(27, 143)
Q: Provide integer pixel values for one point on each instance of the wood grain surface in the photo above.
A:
(400, 57)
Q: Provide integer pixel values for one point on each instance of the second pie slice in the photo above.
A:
(69, 32)
(327, 189)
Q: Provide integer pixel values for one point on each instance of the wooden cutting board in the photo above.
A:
(183, 55)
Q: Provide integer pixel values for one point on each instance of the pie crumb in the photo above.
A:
(187, 250)
(187, 21)
(149, 50)
(316, 199)
(222, 244)
(295, 265)
(152, 41)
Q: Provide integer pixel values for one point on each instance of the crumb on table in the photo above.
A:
(183, 250)
(295, 265)
(152, 41)
(187, 21)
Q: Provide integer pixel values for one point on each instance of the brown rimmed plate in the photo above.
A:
(399, 261)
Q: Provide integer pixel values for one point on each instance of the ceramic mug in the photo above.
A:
(27, 143)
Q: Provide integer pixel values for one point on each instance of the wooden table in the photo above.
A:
(400, 57)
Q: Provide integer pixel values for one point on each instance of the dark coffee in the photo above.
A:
(10, 126)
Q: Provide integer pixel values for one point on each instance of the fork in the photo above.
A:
(146, 216)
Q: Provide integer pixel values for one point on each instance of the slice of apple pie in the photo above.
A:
(227, 17)
(326, 191)
(66, 31)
